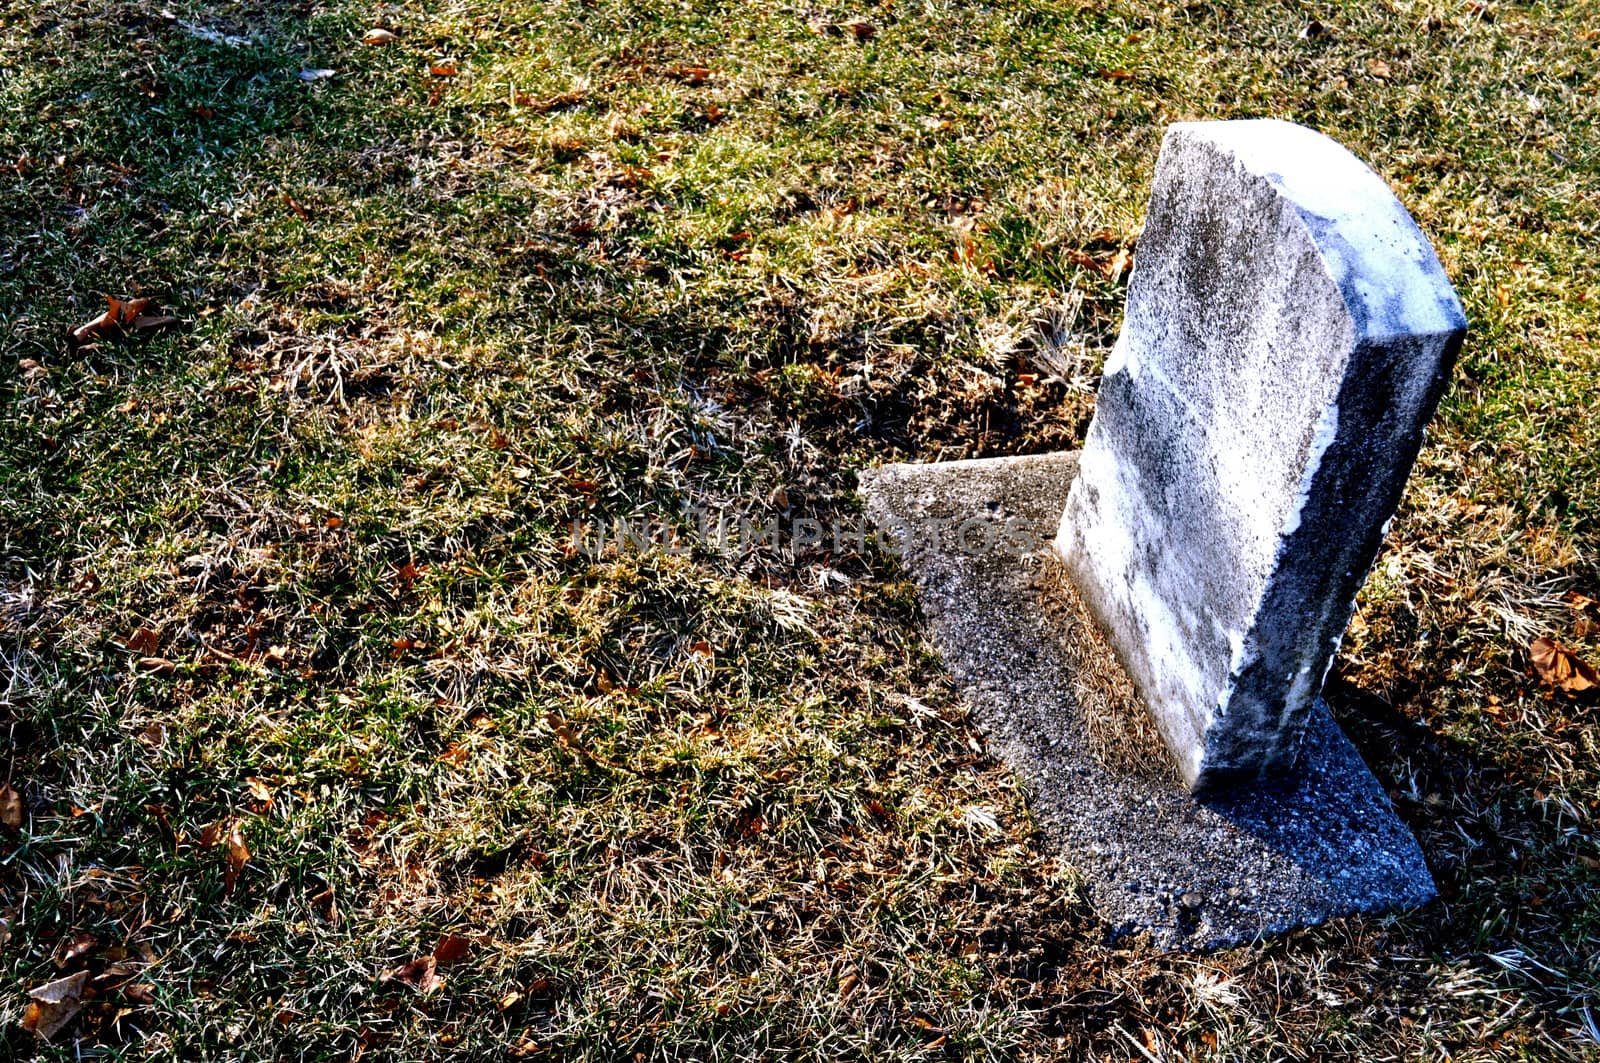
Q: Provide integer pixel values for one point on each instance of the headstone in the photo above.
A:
(1287, 335)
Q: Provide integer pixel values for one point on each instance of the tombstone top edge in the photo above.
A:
(1385, 267)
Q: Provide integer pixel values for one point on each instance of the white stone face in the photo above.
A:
(1287, 334)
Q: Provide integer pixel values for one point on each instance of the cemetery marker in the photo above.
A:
(1287, 335)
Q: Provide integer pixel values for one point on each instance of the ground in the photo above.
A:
(326, 739)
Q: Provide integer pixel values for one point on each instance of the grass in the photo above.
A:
(302, 569)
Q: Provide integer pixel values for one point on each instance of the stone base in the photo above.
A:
(1194, 873)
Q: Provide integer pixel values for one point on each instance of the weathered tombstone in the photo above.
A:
(1287, 335)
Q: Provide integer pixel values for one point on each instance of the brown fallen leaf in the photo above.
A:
(141, 994)
(1379, 69)
(443, 70)
(564, 732)
(1561, 668)
(407, 574)
(860, 29)
(10, 807)
(144, 641)
(80, 944)
(691, 75)
(420, 974)
(54, 1005)
(378, 37)
(327, 904)
(157, 665)
(123, 317)
(238, 855)
(1117, 75)
(451, 949)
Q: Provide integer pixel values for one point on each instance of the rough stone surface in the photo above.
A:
(1192, 871)
(1287, 335)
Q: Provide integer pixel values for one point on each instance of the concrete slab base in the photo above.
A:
(1193, 873)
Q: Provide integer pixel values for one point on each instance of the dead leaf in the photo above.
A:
(451, 949)
(142, 994)
(55, 1004)
(860, 29)
(1379, 69)
(327, 903)
(80, 944)
(144, 641)
(157, 665)
(443, 69)
(238, 855)
(10, 807)
(563, 730)
(122, 317)
(420, 974)
(378, 37)
(1561, 668)
(691, 75)
(1117, 75)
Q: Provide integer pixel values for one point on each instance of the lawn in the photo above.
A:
(325, 739)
